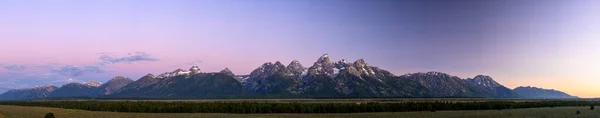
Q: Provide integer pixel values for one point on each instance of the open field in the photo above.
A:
(557, 112)
(256, 107)
(347, 100)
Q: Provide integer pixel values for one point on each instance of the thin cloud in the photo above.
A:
(58, 73)
(130, 58)
(13, 67)
(75, 71)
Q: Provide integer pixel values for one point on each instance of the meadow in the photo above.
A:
(300, 108)
(556, 112)
(253, 107)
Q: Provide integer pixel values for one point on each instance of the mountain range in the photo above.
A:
(325, 78)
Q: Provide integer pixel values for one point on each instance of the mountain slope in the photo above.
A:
(444, 85)
(28, 93)
(493, 88)
(183, 84)
(226, 71)
(273, 78)
(114, 85)
(89, 89)
(131, 88)
(534, 92)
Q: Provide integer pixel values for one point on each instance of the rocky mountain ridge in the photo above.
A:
(325, 78)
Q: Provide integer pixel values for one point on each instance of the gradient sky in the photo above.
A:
(544, 43)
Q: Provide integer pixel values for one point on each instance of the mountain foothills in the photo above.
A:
(534, 92)
(325, 78)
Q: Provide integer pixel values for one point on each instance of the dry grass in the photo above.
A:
(558, 112)
(353, 100)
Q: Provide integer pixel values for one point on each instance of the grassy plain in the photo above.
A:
(557, 112)
(349, 100)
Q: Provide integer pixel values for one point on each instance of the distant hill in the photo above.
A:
(534, 92)
(89, 89)
(324, 78)
(28, 93)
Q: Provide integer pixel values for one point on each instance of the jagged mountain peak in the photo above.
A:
(431, 73)
(322, 66)
(483, 80)
(114, 85)
(93, 83)
(342, 64)
(149, 75)
(360, 62)
(326, 55)
(294, 64)
(295, 67)
(278, 64)
(227, 72)
(483, 77)
(118, 78)
(493, 88)
(268, 69)
(324, 59)
(194, 69)
(174, 73)
(361, 66)
(178, 70)
(267, 64)
(343, 61)
(41, 86)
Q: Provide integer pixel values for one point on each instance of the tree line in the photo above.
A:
(294, 107)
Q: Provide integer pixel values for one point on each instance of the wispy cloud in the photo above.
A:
(26, 75)
(130, 58)
(75, 71)
(13, 67)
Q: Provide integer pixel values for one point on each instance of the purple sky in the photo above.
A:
(549, 44)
